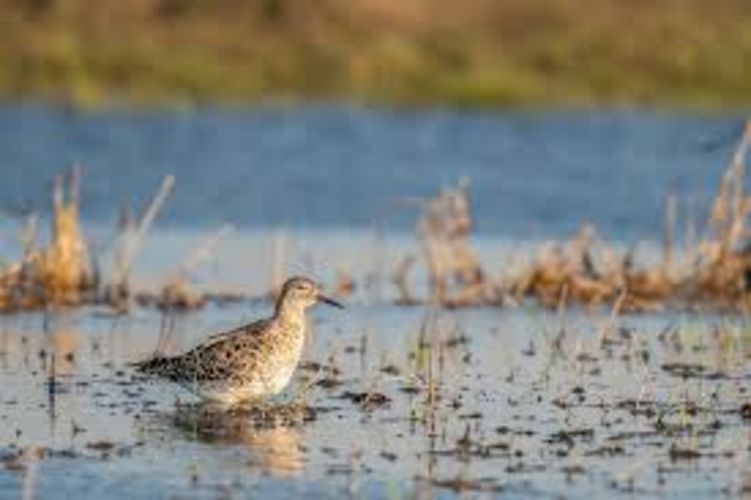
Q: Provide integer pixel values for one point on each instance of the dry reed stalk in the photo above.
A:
(131, 237)
(177, 292)
(28, 234)
(723, 270)
(166, 334)
(606, 332)
(62, 268)
(668, 224)
(444, 229)
(401, 281)
(726, 218)
(58, 274)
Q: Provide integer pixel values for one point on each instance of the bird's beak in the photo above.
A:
(327, 300)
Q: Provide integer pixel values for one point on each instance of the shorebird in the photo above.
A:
(251, 362)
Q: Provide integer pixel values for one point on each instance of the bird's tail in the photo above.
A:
(158, 365)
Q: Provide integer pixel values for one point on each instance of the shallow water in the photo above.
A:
(510, 413)
(478, 401)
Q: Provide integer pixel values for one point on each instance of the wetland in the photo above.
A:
(394, 398)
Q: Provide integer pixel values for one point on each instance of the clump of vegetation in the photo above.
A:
(723, 265)
(63, 273)
(59, 273)
(585, 269)
(444, 228)
(718, 271)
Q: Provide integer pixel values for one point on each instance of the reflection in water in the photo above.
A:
(25, 464)
(30, 348)
(278, 450)
(274, 449)
(64, 343)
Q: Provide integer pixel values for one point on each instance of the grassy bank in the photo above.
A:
(667, 52)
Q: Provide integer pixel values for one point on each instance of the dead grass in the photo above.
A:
(58, 274)
(586, 269)
(62, 273)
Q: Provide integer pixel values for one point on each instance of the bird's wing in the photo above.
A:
(225, 355)
(214, 359)
(250, 329)
(219, 356)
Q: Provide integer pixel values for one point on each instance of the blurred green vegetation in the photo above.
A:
(473, 52)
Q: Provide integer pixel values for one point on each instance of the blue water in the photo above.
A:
(534, 174)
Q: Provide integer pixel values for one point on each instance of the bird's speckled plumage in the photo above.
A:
(250, 362)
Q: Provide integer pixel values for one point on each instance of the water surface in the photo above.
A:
(478, 401)
(534, 174)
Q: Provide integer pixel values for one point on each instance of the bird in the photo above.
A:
(251, 362)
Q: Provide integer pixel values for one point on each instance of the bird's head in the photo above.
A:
(303, 292)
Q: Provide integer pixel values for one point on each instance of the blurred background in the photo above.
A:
(337, 115)
(476, 52)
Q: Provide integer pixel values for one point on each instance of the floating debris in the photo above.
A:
(677, 453)
(368, 401)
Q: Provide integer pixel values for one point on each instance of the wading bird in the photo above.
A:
(250, 362)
